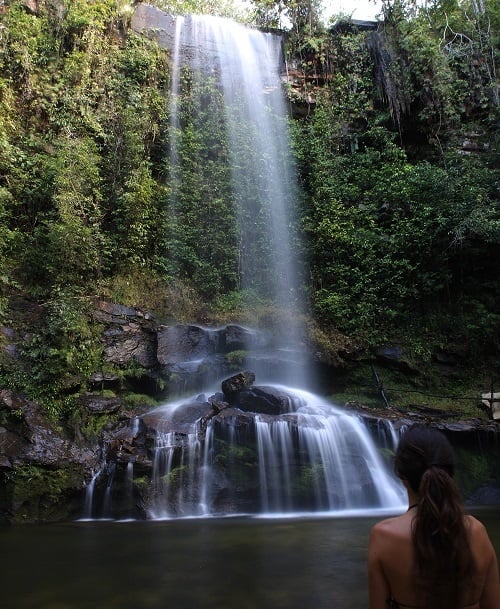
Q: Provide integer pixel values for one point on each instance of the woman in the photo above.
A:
(434, 556)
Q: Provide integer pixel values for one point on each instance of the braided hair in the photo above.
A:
(443, 559)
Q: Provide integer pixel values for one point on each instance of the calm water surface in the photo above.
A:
(233, 563)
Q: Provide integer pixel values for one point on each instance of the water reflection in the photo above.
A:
(233, 563)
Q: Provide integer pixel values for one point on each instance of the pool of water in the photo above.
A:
(231, 563)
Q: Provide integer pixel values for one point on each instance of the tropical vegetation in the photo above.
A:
(395, 135)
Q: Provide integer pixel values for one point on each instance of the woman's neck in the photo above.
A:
(412, 499)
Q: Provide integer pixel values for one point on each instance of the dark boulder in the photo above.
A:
(266, 400)
(237, 383)
(99, 404)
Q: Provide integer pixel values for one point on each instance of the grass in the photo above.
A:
(424, 393)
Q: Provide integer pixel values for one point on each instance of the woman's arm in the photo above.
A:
(378, 586)
(490, 596)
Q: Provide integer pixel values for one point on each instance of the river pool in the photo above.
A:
(228, 563)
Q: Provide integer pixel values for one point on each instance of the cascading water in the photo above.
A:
(246, 63)
(225, 82)
(316, 457)
(206, 456)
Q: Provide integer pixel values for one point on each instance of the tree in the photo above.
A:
(297, 15)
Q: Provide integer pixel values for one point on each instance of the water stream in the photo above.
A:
(315, 457)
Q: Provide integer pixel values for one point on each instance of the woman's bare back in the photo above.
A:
(391, 565)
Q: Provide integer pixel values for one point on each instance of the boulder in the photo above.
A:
(186, 343)
(232, 386)
(266, 400)
(99, 404)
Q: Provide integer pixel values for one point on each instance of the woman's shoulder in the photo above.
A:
(395, 527)
(476, 528)
(478, 534)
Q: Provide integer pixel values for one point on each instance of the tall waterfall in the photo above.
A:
(246, 63)
(206, 456)
(226, 85)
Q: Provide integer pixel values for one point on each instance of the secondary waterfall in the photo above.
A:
(313, 458)
(216, 455)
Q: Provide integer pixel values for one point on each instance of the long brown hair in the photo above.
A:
(443, 558)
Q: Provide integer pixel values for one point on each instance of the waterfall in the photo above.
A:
(247, 99)
(213, 459)
(89, 498)
(315, 458)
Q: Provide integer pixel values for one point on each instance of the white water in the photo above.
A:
(246, 63)
(316, 459)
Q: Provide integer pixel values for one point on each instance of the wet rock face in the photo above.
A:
(186, 343)
(233, 386)
(129, 334)
(265, 400)
(182, 357)
(42, 473)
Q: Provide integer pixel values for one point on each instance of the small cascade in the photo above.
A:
(313, 457)
(178, 487)
(275, 450)
(107, 504)
(87, 512)
(134, 427)
(129, 485)
(324, 459)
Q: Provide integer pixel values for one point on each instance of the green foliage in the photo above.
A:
(236, 359)
(475, 469)
(149, 290)
(296, 15)
(385, 234)
(402, 229)
(7, 238)
(137, 400)
(75, 227)
(221, 8)
(442, 63)
(88, 424)
(201, 225)
(240, 460)
(63, 351)
(37, 492)
(386, 228)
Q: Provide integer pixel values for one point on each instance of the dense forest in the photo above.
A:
(395, 133)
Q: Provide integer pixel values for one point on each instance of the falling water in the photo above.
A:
(246, 63)
(315, 457)
(88, 513)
